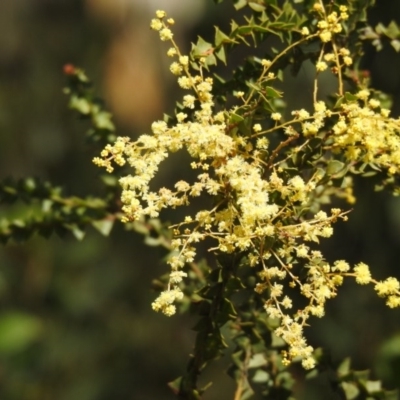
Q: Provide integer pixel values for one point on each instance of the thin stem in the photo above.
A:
(243, 376)
(339, 68)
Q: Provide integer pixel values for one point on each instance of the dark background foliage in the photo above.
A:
(75, 316)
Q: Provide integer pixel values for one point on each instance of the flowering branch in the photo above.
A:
(266, 176)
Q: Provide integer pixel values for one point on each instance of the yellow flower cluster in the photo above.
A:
(363, 132)
(331, 23)
(389, 288)
(366, 133)
(258, 208)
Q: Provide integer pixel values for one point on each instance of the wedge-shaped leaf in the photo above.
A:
(102, 120)
(369, 174)
(344, 367)
(258, 360)
(203, 49)
(253, 86)
(234, 26)
(339, 102)
(245, 29)
(256, 7)
(240, 4)
(334, 167)
(221, 55)
(373, 386)
(80, 104)
(261, 377)
(235, 118)
(392, 30)
(362, 375)
(221, 37)
(272, 93)
(104, 226)
(350, 389)
(175, 385)
(350, 97)
(76, 231)
(395, 44)
(152, 241)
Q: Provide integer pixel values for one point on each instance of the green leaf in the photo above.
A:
(204, 49)
(253, 86)
(221, 54)
(339, 102)
(256, 7)
(104, 226)
(245, 29)
(175, 385)
(102, 120)
(18, 330)
(373, 386)
(344, 367)
(395, 44)
(261, 377)
(152, 241)
(334, 167)
(369, 174)
(392, 30)
(350, 97)
(76, 231)
(28, 185)
(80, 74)
(240, 4)
(80, 104)
(362, 375)
(109, 180)
(272, 93)
(221, 37)
(235, 118)
(350, 390)
(258, 360)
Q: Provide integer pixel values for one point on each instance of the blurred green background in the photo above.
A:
(75, 316)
